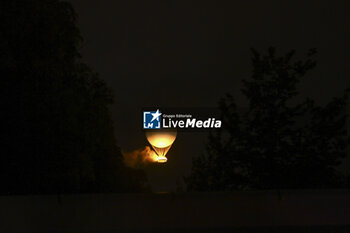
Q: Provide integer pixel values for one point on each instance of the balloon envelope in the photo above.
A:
(161, 141)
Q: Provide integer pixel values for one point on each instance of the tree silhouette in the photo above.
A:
(278, 142)
(57, 133)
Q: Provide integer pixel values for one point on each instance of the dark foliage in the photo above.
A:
(57, 133)
(278, 142)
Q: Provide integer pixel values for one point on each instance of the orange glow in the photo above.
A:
(161, 139)
(161, 142)
(153, 156)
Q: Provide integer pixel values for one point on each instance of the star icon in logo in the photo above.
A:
(156, 115)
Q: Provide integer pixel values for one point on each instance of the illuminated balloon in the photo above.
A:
(161, 141)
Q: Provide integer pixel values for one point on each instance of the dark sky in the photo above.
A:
(190, 53)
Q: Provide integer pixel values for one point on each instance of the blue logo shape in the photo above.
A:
(151, 120)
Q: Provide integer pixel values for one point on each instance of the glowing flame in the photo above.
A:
(162, 159)
(153, 157)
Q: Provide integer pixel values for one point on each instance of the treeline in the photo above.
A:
(57, 132)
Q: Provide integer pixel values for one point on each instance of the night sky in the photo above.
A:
(190, 53)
